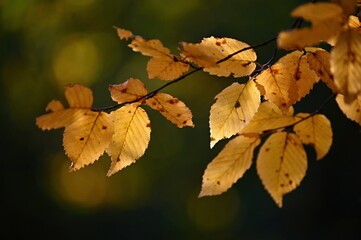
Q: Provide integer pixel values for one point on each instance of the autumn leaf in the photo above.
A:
(297, 65)
(354, 23)
(269, 117)
(171, 108)
(129, 91)
(80, 100)
(319, 61)
(162, 64)
(131, 137)
(278, 86)
(211, 50)
(124, 34)
(316, 131)
(346, 64)
(326, 19)
(281, 164)
(233, 109)
(229, 165)
(352, 110)
(86, 139)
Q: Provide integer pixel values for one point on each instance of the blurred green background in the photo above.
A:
(46, 44)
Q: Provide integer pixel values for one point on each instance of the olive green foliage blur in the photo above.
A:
(46, 44)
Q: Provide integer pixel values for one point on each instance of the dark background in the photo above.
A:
(46, 44)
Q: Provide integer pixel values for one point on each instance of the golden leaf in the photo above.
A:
(131, 137)
(327, 21)
(346, 64)
(124, 34)
(229, 165)
(211, 50)
(162, 64)
(352, 110)
(79, 98)
(278, 85)
(354, 23)
(86, 138)
(171, 108)
(131, 90)
(319, 61)
(166, 68)
(269, 117)
(316, 131)
(297, 65)
(233, 109)
(281, 164)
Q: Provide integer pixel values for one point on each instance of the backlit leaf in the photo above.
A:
(233, 109)
(86, 138)
(80, 99)
(278, 86)
(297, 65)
(211, 50)
(131, 90)
(316, 131)
(124, 34)
(281, 164)
(327, 21)
(354, 23)
(269, 117)
(171, 108)
(346, 63)
(352, 110)
(319, 61)
(229, 165)
(131, 137)
(162, 64)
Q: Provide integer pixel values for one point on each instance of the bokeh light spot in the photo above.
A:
(76, 60)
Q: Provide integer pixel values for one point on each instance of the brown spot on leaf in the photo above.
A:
(148, 124)
(237, 105)
(178, 115)
(81, 139)
(104, 127)
(184, 122)
(267, 149)
(218, 182)
(290, 182)
(173, 101)
(282, 185)
(124, 90)
(287, 175)
(218, 43)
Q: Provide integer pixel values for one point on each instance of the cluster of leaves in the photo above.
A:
(260, 108)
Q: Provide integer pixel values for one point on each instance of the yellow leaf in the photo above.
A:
(211, 50)
(162, 64)
(166, 68)
(131, 137)
(352, 110)
(346, 63)
(229, 165)
(319, 61)
(354, 23)
(124, 34)
(233, 109)
(278, 86)
(327, 21)
(171, 108)
(297, 65)
(269, 117)
(316, 131)
(281, 164)
(86, 138)
(79, 98)
(131, 90)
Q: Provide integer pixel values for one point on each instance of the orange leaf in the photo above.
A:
(131, 90)
(281, 164)
(316, 131)
(80, 99)
(211, 50)
(124, 34)
(352, 110)
(131, 137)
(297, 65)
(278, 86)
(269, 117)
(327, 21)
(171, 108)
(234, 108)
(86, 138)
(229, 165)
(346, 63)
(319, 61)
